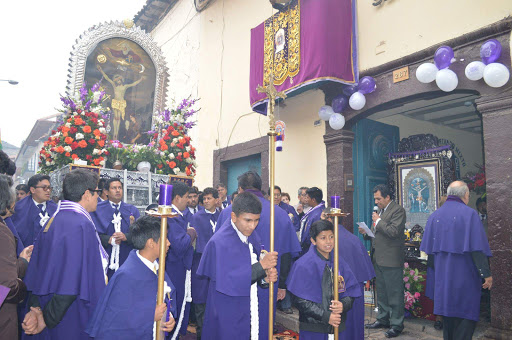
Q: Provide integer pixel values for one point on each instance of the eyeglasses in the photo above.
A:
(98, 191)
(44, 187)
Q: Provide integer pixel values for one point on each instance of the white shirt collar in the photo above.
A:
(151, 265)
(43, 203)
(209, 212)
(242, 237)
(192, 209)
(112, 204)
(387, 206)
(176, 209)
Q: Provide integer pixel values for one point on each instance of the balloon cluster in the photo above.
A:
(445, 78)
(352, 96)
(494, 74)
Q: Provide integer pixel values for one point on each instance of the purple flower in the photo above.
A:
(167, 115)
(102, 93)
(83, 92)
(95, 87)
(406, 279)
(88, 105)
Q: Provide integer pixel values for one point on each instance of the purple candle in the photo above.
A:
(335, 202)
(165, 197)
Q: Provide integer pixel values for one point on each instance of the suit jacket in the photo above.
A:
(388, 244)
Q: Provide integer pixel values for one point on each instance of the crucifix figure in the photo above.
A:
(272, 94)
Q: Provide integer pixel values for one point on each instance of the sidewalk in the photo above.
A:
(413, 328)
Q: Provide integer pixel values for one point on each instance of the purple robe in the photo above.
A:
(66, 261)
(178, 261)
(26, 218)
(285, 241)
(102, 218)
(226, 263)
(201, 223)
(291, 211)
(126, 310)
(355, 255)
(451, 234)
(19, 242)
(312, 216)
(305, 282)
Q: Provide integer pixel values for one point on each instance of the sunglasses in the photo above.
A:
(98, 191)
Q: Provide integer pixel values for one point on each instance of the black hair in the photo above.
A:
(153, 206)
(481, 200)
(143, 229)
(109, 181)
(7, 166)
(7, 197)
(211, 191)
(77, 182)
(278, 188)
(246, 202)
(179, 189)
(318, 226)
(23, 187)
(315, 193)
(283, 194)
(233, 195)
(222, 185)
(249, 180)
(34, 180)
(384, 190)
(101, 183)
(193, 190)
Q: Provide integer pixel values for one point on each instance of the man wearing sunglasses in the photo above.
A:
(32, 212)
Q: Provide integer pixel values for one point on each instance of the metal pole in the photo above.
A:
(161, 273)
(272, 156)
(336, 268)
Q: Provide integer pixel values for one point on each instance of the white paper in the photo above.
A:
(365, 228)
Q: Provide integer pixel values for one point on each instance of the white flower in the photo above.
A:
(103, 151)
(175, 140)
(102, 163)
(48, 163)
(103, 130)
(187, 148)
(162, 153)
(95, 152)
(171, 156)
(96, 96)
(67, 148)
(68, 125)
(79, 136)
(176, 170)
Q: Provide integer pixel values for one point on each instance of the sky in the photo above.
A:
(36, 40)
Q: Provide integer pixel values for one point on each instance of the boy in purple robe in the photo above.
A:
(455, 236)
(352, 251)
(233, 264)
(113, 218)
(204, 222)
(127, 309)
(286, 243)
(178, 263)
(67, 273)
(314, 198)
(311, 283)
(33, 211)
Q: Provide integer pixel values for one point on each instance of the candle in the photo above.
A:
(165, 197)
(335, 202)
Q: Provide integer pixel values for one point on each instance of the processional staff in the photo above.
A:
(272, 95)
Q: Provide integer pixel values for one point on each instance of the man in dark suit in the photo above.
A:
(388, 261)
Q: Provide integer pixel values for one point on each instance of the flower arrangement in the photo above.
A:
(476, 180)
(81, 134)
(413, 286)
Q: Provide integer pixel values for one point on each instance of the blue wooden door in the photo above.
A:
(239, 166)
(373, 141)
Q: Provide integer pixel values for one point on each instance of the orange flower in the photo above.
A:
(82, 144)
(97, 161)
(74, 156)
(65, 129)
(186, 155)
(188, 172)
(78, 121)
(101, 143)
(59, 149)
(96, 132)
(68, 140)
(175, 133)
(67, 154)
(172, 164)
(87, 128)
(164, 147)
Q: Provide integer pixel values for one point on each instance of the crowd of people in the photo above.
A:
(86, 266)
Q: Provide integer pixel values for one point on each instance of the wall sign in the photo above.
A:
(401, 74)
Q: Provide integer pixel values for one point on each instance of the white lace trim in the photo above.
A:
(255, 322)
(114, 257)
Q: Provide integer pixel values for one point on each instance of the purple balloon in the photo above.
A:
(490, 51)
(367, 85)
(339, 103)
(349, 90)
(443, 57)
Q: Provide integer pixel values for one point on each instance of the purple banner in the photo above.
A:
(310, 43)
(4, 291)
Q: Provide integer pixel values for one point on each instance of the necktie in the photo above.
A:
(224, 204)
(116, 208)
(195, 210)
(41, 208)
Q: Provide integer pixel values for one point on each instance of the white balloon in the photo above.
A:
(475, 70)
(325, 112)
(337, 121)
(357, 101)
(447, 80)
(426, 73)
(496, 75)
